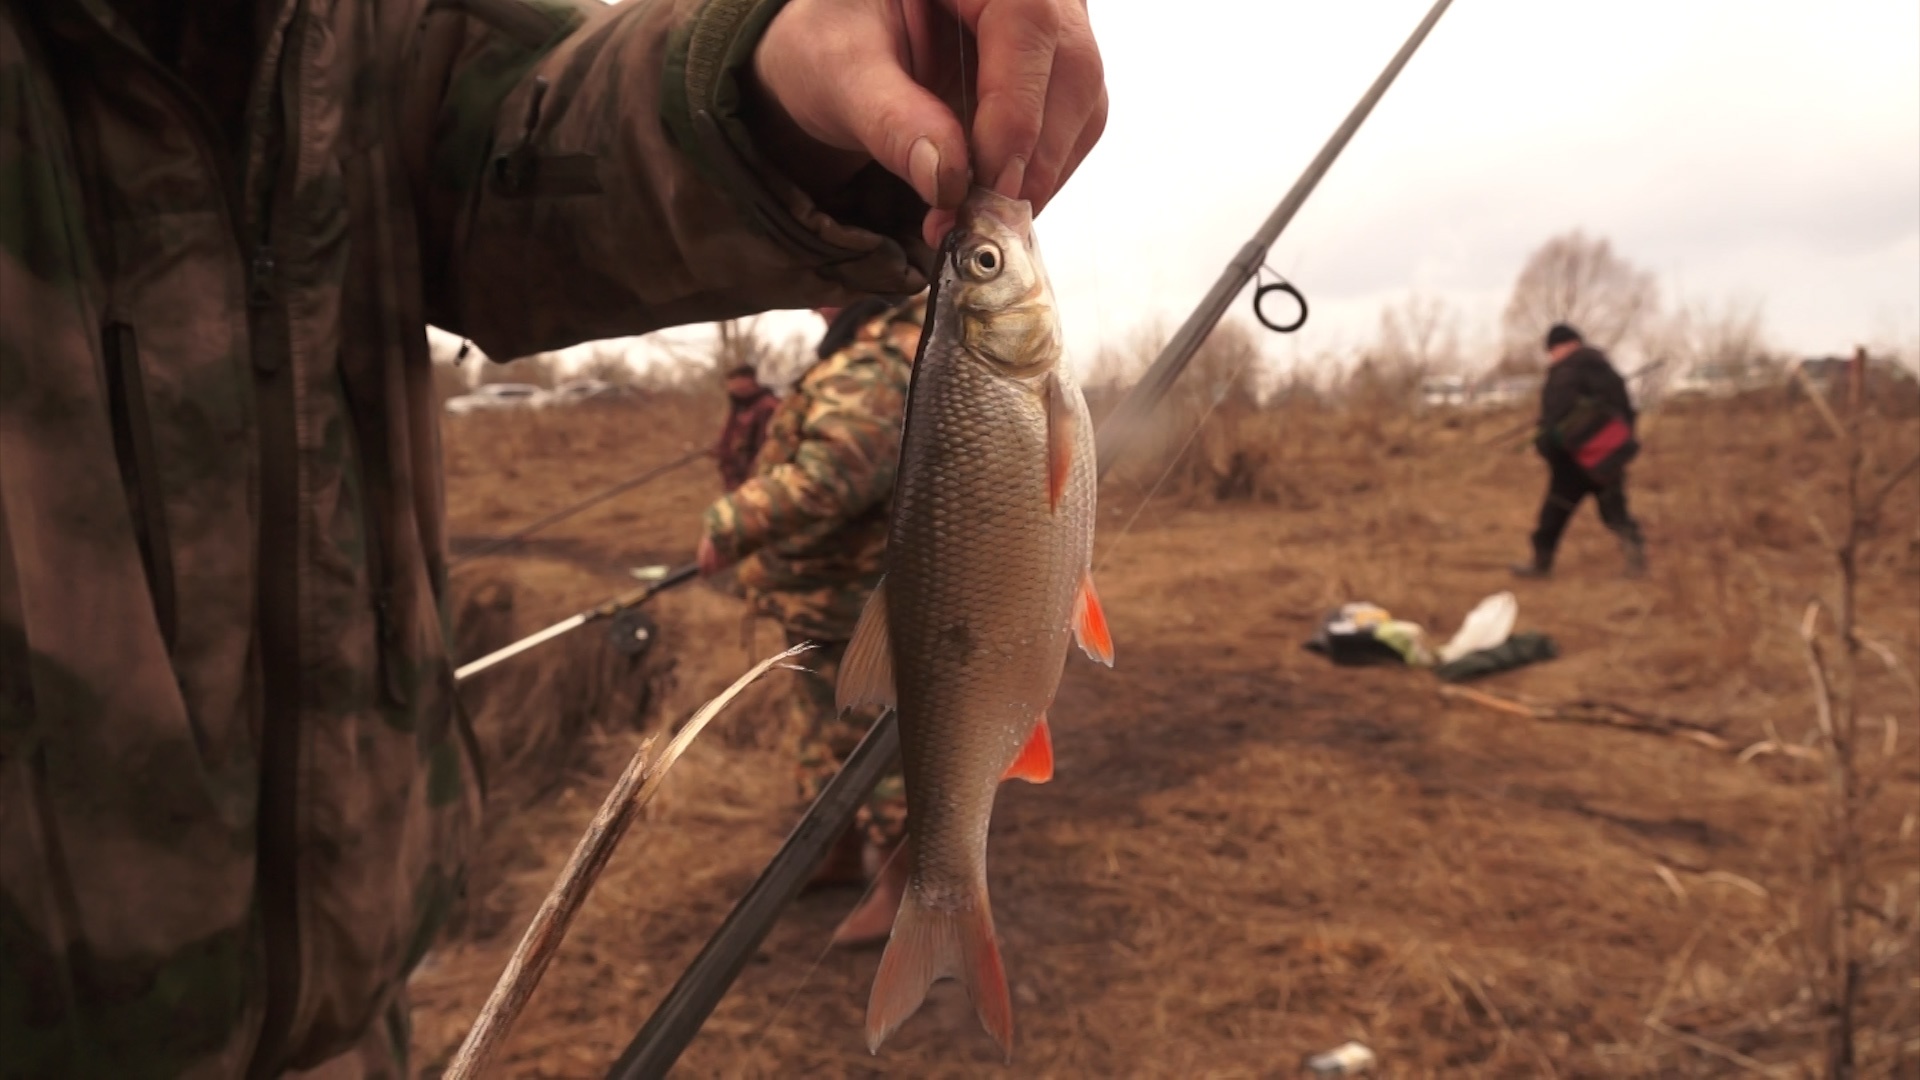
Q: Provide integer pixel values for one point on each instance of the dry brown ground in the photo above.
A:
(1247, 855)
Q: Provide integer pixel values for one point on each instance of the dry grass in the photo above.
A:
(1247, 855)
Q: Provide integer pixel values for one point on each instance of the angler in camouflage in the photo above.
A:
(236, 791)
(809, 530)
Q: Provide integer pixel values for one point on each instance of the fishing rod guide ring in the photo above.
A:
(1262, 290)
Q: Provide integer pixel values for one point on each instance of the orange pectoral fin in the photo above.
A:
(1035, 763)
(1090, 623)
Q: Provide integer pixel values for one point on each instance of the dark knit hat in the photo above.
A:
(1561, 334)
(847, 324)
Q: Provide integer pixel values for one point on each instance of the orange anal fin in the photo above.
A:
(1090, 623)
(1063, 430)
(1035, 763)
(929, 944)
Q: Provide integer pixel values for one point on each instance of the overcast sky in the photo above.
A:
(1756, 149)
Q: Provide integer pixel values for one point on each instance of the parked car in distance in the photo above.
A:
(1445, 390)
(1511, 390)
(505, 395)
(574, 391)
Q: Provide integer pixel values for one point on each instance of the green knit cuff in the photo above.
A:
(701, 105)
(708, 58)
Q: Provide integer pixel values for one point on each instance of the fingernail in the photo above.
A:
(1011, 178)
(923, 168)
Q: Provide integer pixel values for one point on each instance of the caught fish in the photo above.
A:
(988, 583)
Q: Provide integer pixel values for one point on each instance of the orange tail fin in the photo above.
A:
(928, 945)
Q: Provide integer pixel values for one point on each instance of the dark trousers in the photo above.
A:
(1567, 485)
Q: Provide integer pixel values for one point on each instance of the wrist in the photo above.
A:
(817, 168)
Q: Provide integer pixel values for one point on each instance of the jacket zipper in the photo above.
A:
(276, 378)
(133, 445)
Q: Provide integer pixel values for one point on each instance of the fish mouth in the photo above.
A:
(986, 211)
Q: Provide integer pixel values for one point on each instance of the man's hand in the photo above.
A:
(880, 79)
(709, 558)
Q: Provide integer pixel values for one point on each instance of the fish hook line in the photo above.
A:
(966, 105)
(821, 957)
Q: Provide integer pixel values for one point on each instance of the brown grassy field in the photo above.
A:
(1249, 855)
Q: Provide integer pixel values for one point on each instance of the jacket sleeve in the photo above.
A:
(1558, 395)
(844, 465)
(583, 171)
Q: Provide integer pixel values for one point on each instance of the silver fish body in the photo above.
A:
(987, 585)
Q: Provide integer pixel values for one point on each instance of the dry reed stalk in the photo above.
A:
(1598, 713)
(637, 785)
(1819, 401)
(1707, 1046)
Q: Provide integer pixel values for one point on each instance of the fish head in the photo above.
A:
(1000, 293)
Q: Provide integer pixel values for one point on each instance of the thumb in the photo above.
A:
(907, 130)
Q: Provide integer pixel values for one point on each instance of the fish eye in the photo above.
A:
(983, 263)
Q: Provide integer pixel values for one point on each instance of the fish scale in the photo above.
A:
(986, 588)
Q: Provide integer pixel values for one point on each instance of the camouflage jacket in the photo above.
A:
(235, 797)
(811, 523)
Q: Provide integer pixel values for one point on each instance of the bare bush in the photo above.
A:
(1577, 279)
(1860, 924)
(610, 361)
(1117, 366)
(1173, 449)
(737, 342)
(1827, 991)
(1420, 332)
(1725, 341)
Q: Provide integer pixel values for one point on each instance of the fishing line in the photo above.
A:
(1173, 461)
(966, 121)
(821, 958)
(587, 503)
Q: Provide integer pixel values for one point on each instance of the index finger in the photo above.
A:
(1017, 39)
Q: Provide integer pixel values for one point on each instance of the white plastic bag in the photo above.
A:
(1490, 623)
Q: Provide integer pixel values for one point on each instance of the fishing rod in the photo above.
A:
(561, 515)
(1173, 359)
(681, 1013)
(608, 609)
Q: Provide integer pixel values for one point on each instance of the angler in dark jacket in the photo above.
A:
(1582, 395)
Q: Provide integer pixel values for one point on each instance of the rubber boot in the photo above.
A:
(1634, 549)
(1539, 569)
(872, 922)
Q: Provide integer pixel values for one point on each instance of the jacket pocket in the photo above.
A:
(390, 623)
(139, 468)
